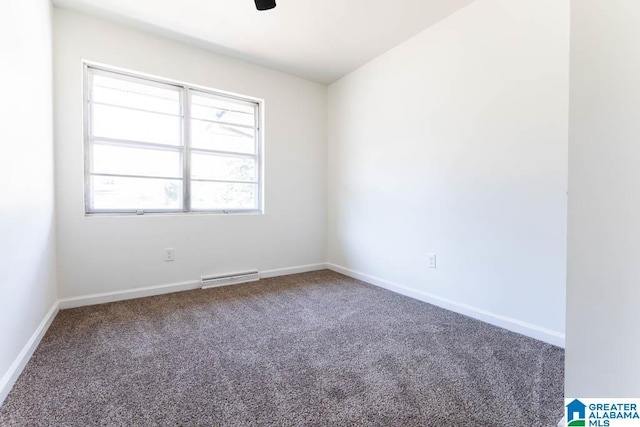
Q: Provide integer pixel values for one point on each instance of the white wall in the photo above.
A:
(104, 254)
(27, 238)
(455, 142)
(603, 290)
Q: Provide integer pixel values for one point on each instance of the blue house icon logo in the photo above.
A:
(576, 414)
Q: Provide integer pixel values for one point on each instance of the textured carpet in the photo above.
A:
(311, 349)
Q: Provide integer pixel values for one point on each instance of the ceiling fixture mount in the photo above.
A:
(265, 4)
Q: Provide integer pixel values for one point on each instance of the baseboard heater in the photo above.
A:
(229, 279)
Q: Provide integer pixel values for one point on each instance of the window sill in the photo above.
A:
(160, 214)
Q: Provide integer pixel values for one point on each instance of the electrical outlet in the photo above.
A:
(169, 254)
(433, 261)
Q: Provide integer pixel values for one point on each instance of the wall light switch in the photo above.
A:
(432, 261)
(169, 254)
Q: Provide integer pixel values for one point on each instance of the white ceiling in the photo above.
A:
(321, 40)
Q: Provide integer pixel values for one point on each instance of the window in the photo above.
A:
(154, 146)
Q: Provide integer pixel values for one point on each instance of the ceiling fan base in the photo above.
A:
(265, 4)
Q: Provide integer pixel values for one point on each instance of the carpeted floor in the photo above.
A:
(311, 349)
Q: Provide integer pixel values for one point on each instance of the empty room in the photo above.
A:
(323, 213)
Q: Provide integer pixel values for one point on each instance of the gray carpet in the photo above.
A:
(315, 349)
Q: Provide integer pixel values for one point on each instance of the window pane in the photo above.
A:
(136, 193)
(122, 123)
(209, 108)
(219, 195)
(120, 160)
(126, 93)
(213, 136)
(205, 166)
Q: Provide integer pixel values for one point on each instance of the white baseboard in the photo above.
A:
(10, 378)
(149, 291)
(562, 423)
(126, 294)
(292, 270)
(514, 325)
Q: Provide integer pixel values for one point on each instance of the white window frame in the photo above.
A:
(185, 149)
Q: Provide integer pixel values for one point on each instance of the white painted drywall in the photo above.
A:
(603, 292)
(106, 254)
(455, 143)
(27, 230)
